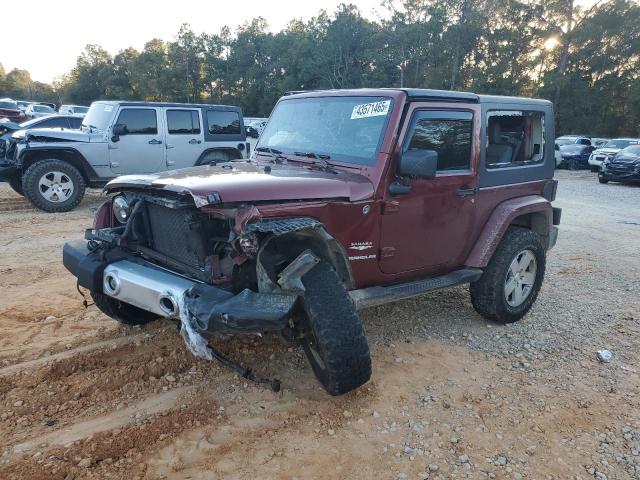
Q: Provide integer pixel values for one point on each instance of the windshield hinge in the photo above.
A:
(390, 206)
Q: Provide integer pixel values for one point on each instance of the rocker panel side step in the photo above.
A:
(374, 296)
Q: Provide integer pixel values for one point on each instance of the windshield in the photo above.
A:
(565, 141)
(619, 143)
(80, 109)
(42, 108)
(634, 150)
(347, 129)
(98, 116)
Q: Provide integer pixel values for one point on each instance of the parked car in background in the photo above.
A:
(255, 126)
(575, 156)
(608, 150)
(23, 104)
(35, 110)
(13, 133)
(73, 110)
(624, 166)
(10, 110)
(117, 138)
(599, 142)
(568, 140)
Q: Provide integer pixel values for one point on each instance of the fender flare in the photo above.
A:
(67, 154)
(531, 211)
(302, 234)
(233, 151)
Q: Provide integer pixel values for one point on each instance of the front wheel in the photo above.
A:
(332, 334)
(53, 185)
(510, 284)
(603, 179)
(120, 311)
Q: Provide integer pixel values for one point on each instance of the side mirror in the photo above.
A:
(418, 164)
(118, 130)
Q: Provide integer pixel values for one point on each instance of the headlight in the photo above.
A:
(121, 209)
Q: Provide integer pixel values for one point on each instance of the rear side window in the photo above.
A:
(139, 121)
(515, 138)
(75, 122)
(183, 122)
(447, 133)
(55, 123)
(223, 122)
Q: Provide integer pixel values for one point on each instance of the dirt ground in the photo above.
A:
(452, 396)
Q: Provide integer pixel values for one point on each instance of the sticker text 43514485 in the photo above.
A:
(374, 109)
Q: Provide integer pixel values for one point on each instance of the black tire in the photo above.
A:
(594, 169)
(16, 185)
(573, 164)
(488, 293)
(33, 192)
(333, 337)
(603, 179)
(122, 312)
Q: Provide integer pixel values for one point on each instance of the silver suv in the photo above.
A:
(52, 167)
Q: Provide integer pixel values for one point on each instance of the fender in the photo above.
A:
(516, 211)
(68, 154)
(232, 152)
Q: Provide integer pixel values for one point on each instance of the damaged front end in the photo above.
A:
(205, 268)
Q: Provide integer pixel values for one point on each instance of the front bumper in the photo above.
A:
(154, 289)
(620, 172)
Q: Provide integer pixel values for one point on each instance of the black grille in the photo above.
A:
(3, 148)
(11, 150)
(178, 234)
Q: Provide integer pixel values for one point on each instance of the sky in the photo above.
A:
(47, 40)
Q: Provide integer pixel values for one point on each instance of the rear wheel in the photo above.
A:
(332, 334)
(603, 179)
(16, 185)
(122, 312)
(594, 168)
(510, 284)
(53, 185)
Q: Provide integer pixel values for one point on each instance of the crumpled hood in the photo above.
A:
(56, 134)
(246, 182)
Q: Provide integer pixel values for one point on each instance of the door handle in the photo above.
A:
(466, 191)
(155, 142)
(193, 141)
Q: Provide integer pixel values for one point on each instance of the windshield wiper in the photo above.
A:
(322, 159)
(274, 153)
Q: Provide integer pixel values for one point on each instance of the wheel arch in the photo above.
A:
(66, 154)
(231, 153)
(280, 246)
(532, 212)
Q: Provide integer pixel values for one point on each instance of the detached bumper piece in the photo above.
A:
(139, 283)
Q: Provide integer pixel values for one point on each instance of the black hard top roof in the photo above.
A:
(428, 94)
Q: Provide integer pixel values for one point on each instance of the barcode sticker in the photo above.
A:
(366, 110)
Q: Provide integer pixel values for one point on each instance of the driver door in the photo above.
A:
(428, 229)
(141, 148)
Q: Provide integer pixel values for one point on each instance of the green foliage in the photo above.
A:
(486, 46)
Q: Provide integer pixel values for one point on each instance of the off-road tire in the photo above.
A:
(603, 180)
(33, 174)
(334, 332)
(120, 311)
(488, 293)
(16, 185)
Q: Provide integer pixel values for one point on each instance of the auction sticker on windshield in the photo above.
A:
(366, 110)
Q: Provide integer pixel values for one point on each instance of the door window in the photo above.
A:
(183, 122)
(223, 122)
(515, 138)
(139, 121)
(448, 133)
(55, 122)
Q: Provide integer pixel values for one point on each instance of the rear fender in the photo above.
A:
(532, 212)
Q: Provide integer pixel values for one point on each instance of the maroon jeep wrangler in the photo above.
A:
(352, 198)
